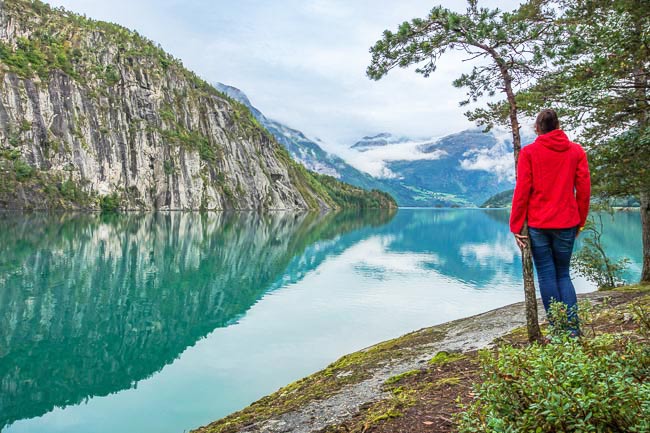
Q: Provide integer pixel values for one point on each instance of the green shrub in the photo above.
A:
(560, 322)
(14, 140)
(70, 190)
(597, 385)
(22, 169)
(593, 263)
(110, 202)
(168, 166)
(111, 75)
(25, 126)
(12, 155)
(167, 114)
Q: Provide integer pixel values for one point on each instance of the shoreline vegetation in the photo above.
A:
(503, 200)
(422, 381)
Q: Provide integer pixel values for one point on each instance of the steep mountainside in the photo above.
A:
(92, 114)
(306, 151)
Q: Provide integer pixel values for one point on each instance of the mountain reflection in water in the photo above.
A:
(90, 305)
(93, 305)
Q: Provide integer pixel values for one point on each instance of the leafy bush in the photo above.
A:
(168, 167)
(71, 191)
(597, 385)
(22, 169)
(561, 321)
(593, 263)
(111, 75)
(110, 202)
(25, 126)
(11, 155)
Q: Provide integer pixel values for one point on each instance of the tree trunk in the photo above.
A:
(532, 321)
(645, 234)
(643, 108)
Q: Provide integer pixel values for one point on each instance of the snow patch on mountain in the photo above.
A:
(378, 140)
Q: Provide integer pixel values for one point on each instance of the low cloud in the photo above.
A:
(497, 159)
(374, 160)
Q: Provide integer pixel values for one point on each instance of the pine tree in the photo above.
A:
(508, 50)
(601, 84)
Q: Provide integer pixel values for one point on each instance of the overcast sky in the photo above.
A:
(303, 62)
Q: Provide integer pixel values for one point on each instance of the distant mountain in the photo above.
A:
(504, 200)
(459, 170)
(309, 153)
(500, 200)
(463, 169)
(378, 140)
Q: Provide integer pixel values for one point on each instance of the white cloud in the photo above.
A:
(373, 161)
(499, 158)
(372, 253)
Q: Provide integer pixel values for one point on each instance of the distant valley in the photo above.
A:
(463, 169)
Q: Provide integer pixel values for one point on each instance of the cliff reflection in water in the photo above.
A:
(90, 305)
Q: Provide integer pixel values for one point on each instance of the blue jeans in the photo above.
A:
(552, 249)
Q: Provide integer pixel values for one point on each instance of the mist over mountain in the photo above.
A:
(468, 167)
(462, 169)
(305, 150)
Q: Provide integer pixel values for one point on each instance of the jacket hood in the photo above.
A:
(555, 140)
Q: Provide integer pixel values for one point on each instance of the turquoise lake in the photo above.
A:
(165, 322)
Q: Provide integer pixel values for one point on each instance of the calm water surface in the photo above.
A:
(165, 322)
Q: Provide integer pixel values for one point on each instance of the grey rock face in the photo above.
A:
(153, 134)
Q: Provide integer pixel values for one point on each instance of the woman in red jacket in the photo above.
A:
(552, 195)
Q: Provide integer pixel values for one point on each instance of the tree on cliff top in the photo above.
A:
(508, 50)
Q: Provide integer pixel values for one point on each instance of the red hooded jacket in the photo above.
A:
(553, 186)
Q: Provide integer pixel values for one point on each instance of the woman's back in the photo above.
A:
(552, 194)
(557, 173)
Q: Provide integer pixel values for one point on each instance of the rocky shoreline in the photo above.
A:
(337, 393)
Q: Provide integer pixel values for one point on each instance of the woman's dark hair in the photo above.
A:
(547, 121)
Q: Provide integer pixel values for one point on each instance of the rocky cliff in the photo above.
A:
(92, 114)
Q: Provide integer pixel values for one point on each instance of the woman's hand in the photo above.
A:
(521, 240)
